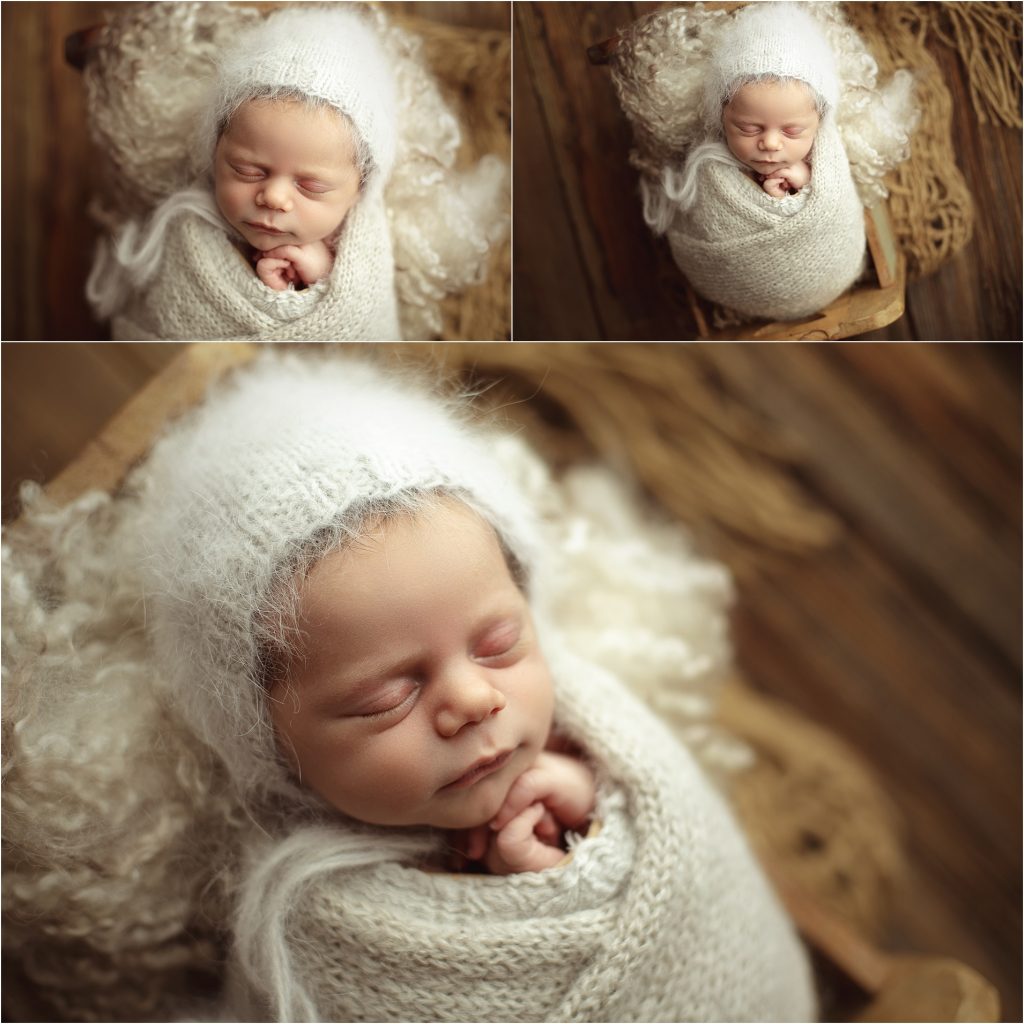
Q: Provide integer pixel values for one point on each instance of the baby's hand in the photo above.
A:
(293, 263)
(779, 182)
(556, 793)
(528, 842)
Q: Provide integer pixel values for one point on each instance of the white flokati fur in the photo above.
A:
(149, 83)
(156, 804)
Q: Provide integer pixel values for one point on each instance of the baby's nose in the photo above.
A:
(275, 195)
(468, 699)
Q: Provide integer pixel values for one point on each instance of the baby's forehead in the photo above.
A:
(790, 98)
(285, 126)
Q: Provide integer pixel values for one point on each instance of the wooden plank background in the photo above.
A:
(901, 635)
(48, 166)
(586, 267)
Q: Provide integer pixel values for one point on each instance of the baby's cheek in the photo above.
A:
(230, 199)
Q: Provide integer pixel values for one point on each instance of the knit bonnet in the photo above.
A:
(329, 54)
(276, 468)
(780, 40)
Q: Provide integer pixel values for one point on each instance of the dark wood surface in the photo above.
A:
(585, 265)
(56, 397)
(901, 634)
(48, 163)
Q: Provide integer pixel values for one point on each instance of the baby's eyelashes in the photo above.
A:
(394, 699)
(500, 645)
(247, 172)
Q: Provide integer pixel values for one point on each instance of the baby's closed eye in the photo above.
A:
(315, 187)
(500, 643)
(388, 700)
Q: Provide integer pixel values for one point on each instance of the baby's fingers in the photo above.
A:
(516, 839)
(526, 790)
(548, 830)
(520, 849)
(284, 252)
(273, 273)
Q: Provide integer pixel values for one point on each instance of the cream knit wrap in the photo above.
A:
(662, 915)
(205, 288)
(738, 246)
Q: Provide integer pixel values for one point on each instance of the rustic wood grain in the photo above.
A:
(631, 279)
(48, 167)
(634, 289)
(56, 397)
(542, 196)
(485, 14)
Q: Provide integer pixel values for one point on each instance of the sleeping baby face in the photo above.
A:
(770, 125)
(421, 693)
(285, 173)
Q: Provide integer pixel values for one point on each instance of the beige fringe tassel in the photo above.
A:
(930, 204)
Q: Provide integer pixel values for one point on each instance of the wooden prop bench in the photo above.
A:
(859, 981)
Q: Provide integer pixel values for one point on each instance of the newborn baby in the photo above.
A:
(422, 696)
(770, 126)
(295, 135)
(286, 172)
(350, 607)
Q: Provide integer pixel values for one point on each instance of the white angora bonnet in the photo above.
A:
(331, 54)
(781, 40)
(276, 468)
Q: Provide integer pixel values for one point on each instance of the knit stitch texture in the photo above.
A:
(205, 289)
(662, 916)
(739, 248)
(330, 53)
(778, 39)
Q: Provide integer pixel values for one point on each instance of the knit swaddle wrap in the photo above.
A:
(662, 915)
(205, 289)
(738, 248)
